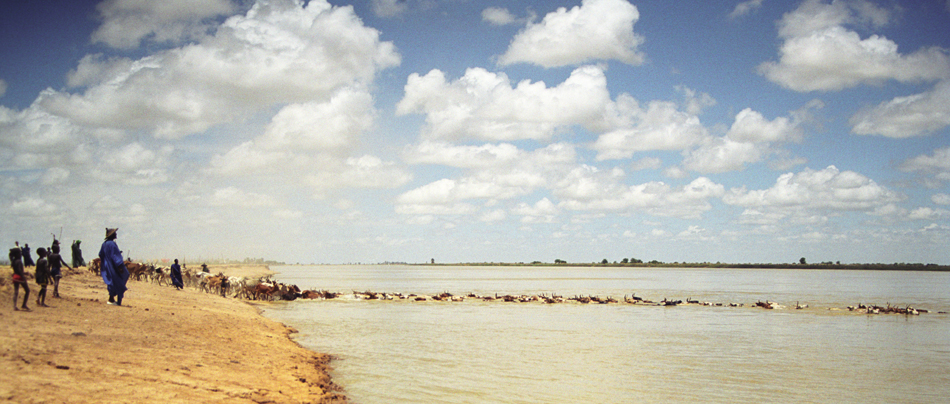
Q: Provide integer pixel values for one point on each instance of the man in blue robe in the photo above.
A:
(27, 259)
(176, 275)
(114, 273)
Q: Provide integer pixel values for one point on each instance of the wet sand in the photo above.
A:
(163, 346)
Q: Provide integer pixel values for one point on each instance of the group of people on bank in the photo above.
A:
(49, 265)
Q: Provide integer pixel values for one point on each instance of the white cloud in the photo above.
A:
(498, 16)
(595, 30)
(125, 23)
(694, 232)
(808, 193)
(659, 126)
(941, 199)
(938, 164)
(926, 213)
(821, 54)
(279, 52)
(321, 126)
(33, 207)
(448, 191)
(232, 197)
(751, 126)
(903, 117)
(587, 188)
(750, 139)
(314, 142)
(745, 7)
(646, 163)
(54, 175)
(484, 105)
(494, 173)
(694, 103)
(723, 155)
(543, 211)
(484, 156)
(493, 216)
(133, 164)
(388, 8)
(366, 171)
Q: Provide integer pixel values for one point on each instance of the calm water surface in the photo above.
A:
(479, 352)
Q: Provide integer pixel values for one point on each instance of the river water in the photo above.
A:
(477, 351)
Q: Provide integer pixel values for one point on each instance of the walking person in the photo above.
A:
(175, 274)
(114, 273)
(42, 276)
(77, 255)
(27, 258)
(55, 260)
(19, 278)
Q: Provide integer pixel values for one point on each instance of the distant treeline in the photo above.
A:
(657, 264)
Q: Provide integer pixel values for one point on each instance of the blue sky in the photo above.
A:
(469, 131)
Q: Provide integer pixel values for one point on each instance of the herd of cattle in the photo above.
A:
(265, 288)
(239, 287)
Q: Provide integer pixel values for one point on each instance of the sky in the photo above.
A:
(757, 131)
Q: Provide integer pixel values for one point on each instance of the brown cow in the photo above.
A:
(136, 270)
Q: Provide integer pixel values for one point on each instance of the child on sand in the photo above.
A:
(54, 268)
(19, 278)
(42, 276)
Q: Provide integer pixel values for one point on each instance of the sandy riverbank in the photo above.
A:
(163, 346)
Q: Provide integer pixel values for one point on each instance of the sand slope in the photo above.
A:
(164, 346)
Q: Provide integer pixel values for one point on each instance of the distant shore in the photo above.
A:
(164, 345)
(835, 266)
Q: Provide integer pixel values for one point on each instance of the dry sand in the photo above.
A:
(163, 345)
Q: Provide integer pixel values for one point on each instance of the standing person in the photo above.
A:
(77, 255)
(42, 276)
(54, 268)
(176, 275)
(27, 258)
(114, 273)
(19, 278)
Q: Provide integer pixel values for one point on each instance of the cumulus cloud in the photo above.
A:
(388, 8)
(494, 173)
(941, 199)
(365, 171)
(745, 7)
(590, 189)
(595, 30)
(233, 197)
(925, 213)
(498, 16)
(484, 156)
(321, 126)
(902, 117)
(134, 164)
(126, 23)
(751, 126)
(810, 194)
(749, 140)
(485, 105)
(660, 125)
(33, 207)
(723, 155)
(493, 216)
(820, 53)
(279, 52)
(937, 164)
(543, 211)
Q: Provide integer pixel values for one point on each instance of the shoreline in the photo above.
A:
(163, 345)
